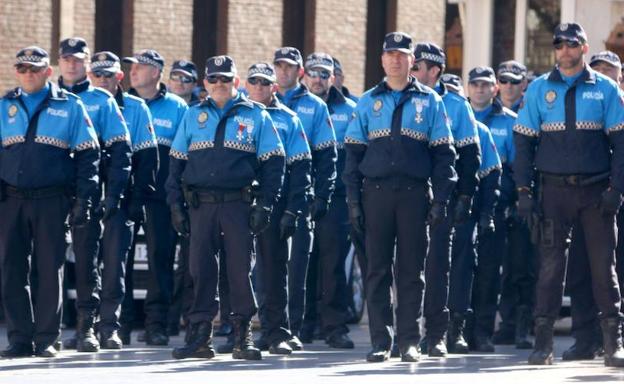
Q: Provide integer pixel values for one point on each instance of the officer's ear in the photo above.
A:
(120, 75)
(300, 72)
(48, 71)
(585, 48)
(236, 81)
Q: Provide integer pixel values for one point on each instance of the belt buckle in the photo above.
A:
(572, 180)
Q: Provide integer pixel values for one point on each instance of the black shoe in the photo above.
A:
(504, 336)
(543, 351)
(306, 336)
(262, 343)
(280, 348)
(523, 324)
(437, 348)
(228, 346)
(612, 341)
(244, 348)
(581, 350)
(46, 351)
(484, 344)
(125, 334)
(199, 343)
(85, 335)
(71, 342)
(223, 330)
(156, 335)
(456, 342)
(17, 350)
(339, 340)
(110, 340)
(295, 343)
(411, 354)
(378, 355)
(173, 329)
(394, 351)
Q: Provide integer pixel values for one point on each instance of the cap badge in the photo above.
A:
(219, 61)
(72, 42)
(564, 27)
(398, 38)
(102, 57)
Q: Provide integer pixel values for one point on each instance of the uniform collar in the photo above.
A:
(440, 88)
(588, 75)
(119, 97)
(162, 91)
(346, 92)
(413, 86)
(275, 103)
(54, 93)
(77, 88)
(335, 97)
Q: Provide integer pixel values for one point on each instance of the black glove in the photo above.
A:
(526, 208)
(259, 218)
(486, 225)
(610, 202)
(79, 214)
(180, 220)
(136, 211)
(107, 208)
(437, 213)
(356, 216)
(288, 225)
(318, 208)
(462, 209)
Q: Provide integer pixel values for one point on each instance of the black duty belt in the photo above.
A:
(574, 180)
(38, 193)
(195, 196)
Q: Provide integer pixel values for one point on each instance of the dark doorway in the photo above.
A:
(114, 26)
(381, 20)
(298, 25)
(210, 18)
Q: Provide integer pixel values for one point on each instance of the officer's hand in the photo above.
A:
(526, 207)
(107, 208)
(288, 225)
(610, 202)
(180, 220)
(356, 216)
(136, 211)
(437, 213)
(318, 208)
(462, 209)
(259, 218)
(486, 225)
(79, 214)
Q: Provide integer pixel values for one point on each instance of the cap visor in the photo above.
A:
(186, 73)
(595, 61)
(78, 55)
(226, 74)
(289, 61)
(130, 60)
(324, 67)
(262, 75)
(33, 63)
(510, 75)
(404, 50)
(487, 79)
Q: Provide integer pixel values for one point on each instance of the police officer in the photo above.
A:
(397, 141)
(314, 116)
(183, 80)
(326, 279)
(339, 81)
(482, 91)
(50, 151)
(167, 111)
(428, 68)
(570, 130)
(518, 276)
(585, 325)
(222, 146)
(115, 166)
(272, 244)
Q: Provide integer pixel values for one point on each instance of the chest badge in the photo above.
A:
(418, 104)
(377, 105)
(12, 110)
(202, 118)
(239, 134)
(550, 96)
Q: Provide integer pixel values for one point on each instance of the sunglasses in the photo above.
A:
(509, 81)
(259, 80)
(29, 68)
(104, 74)
(322, 74)
(181, 78)
(569, 43)
(223, 79)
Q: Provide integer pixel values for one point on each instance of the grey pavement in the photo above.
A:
(317, 364)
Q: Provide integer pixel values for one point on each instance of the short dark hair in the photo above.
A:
(431, 64)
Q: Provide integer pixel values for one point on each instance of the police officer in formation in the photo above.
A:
(272, 244)
(326, 285)
(115, 167)
(569, 140)
(41, 124)
(167, 110)
(314, 116)
(430, 62)
(240, 133)
(518, 276)
(585, 322)
(397, 142)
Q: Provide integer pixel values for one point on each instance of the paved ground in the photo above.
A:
(140, 364)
